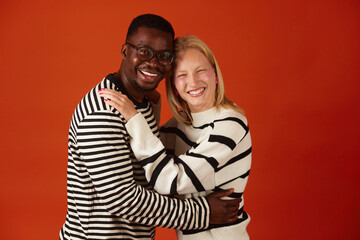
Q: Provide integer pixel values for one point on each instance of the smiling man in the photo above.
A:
(108, 195)
(147, 57)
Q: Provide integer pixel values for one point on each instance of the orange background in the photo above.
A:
(292, 65)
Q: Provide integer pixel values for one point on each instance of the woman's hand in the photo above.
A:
(119, 101)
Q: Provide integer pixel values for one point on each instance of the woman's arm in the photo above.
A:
(191, 172)
(155, 101)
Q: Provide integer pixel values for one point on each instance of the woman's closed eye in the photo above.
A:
(181, 75)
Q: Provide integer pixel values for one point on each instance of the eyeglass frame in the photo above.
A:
(153, 53)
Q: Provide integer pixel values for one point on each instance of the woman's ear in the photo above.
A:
(124, 49)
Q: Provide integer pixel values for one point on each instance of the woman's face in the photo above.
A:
(194, 79)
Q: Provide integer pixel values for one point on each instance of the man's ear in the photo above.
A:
(124, 49)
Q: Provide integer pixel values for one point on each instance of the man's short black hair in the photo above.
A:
(150, 21)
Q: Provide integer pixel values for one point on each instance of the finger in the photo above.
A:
(109, 93)
(232, 202)
(233, 215)
(111, 103)
(234, 210)
(113, 97)
(223, 193)
(233, 219)
(113, 93)
(107, 90)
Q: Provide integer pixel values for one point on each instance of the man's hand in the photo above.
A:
(223, 211)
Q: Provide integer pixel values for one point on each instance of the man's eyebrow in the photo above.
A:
(147, 46)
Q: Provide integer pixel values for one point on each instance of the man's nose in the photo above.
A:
(153, 62)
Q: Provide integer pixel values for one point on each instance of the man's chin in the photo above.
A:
(146, 88)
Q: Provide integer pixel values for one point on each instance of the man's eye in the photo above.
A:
(165, 55)
(144, 51)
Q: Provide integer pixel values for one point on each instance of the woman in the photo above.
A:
(208, 144)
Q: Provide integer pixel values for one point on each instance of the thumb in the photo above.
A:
(223, 193)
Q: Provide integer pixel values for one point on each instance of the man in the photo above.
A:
(108, 196)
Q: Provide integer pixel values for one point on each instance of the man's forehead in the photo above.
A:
(152, 37)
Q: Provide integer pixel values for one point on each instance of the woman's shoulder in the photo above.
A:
(231, 124)
(226, 113)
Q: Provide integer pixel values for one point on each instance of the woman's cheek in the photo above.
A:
(209, 74)
(179, 83)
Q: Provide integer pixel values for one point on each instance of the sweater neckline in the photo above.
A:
(120, 87)
(204, 117)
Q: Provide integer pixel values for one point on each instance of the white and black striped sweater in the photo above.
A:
(212, 154)
(105, 199)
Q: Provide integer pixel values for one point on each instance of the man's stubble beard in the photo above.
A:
(140, 88)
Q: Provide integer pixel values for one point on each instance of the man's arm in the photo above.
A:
(102, 147)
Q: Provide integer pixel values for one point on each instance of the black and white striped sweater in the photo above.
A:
(213, 153)
(108, 195)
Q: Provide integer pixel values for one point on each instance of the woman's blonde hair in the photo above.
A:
(177, 104)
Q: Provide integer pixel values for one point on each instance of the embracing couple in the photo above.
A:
(126, 176)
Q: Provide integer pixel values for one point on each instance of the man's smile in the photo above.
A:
(149, 73)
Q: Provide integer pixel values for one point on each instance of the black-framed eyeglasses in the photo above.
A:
(146, 54)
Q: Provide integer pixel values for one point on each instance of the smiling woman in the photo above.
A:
(195, 80)
(198, 77)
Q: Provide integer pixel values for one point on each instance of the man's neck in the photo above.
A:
(136, 94)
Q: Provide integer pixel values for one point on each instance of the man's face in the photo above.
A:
(140, 75)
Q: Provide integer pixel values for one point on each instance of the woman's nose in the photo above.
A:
(192, 80)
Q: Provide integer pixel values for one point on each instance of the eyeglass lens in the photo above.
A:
(145, 54)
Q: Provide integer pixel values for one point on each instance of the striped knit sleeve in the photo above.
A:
(101, 139)
(156, 106)
(194, 171)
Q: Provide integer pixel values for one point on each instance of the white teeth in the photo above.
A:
(150, 74)
(196, 91)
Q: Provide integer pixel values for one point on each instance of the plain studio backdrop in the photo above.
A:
(293, 66)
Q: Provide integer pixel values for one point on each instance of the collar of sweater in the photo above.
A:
(204, 117)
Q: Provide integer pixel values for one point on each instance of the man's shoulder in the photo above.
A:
(92, 103)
